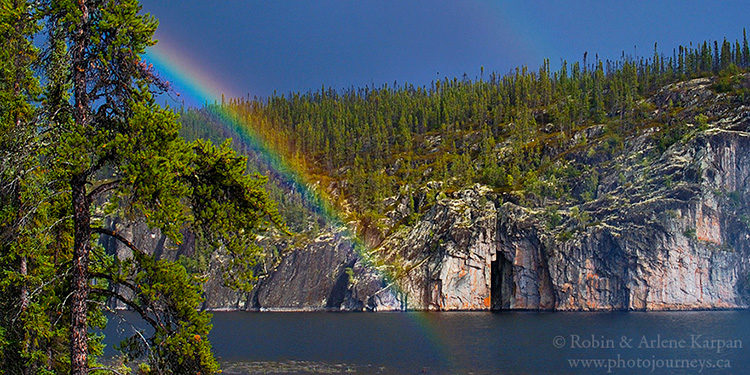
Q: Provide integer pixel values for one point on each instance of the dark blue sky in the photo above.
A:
(257, 47)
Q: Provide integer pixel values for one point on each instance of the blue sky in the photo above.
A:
(257, 47)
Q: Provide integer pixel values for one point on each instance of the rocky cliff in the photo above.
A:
(661, 232)
(665, 225)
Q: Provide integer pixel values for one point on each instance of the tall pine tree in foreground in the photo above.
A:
(91, 146)
(29, 334)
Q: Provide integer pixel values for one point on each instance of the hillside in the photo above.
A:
(612, 184)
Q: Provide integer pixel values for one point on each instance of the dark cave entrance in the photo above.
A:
(501, 288)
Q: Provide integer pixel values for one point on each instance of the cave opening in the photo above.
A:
(501, 288)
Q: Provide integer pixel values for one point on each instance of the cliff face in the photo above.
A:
(666, 229)
(661, 233)
(328, 274)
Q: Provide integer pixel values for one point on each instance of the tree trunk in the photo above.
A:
(79, 308)
(23, 264)
(81, 206)
(24, 271)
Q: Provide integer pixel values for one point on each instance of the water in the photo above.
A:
(481, 342)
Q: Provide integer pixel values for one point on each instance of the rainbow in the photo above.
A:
(197, 86)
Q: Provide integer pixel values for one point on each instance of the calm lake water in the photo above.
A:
(714, 342)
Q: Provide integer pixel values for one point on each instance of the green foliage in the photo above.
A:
(745, 219)
(179, 344)
(729, 80)
(673, 133)
(228, 206)
(582, 218)
(553, 217)
(350, 275)
(591, 185)
(32, 249)
(496, 130)
(702, 121)
(565, 236)
(87, 150)
(84, 120)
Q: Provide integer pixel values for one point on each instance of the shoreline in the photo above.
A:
(324, 310)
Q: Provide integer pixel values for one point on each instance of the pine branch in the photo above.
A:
(143, 313)
(118, 237)
(103, 188)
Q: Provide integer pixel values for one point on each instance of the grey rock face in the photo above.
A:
(325, 274)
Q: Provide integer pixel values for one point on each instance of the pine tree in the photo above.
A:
(745, 49)
(27, 334)
(111, 153)
(726, 54)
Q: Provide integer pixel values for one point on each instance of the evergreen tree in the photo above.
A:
(111, 153)
(27, 333)
(745, 49)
